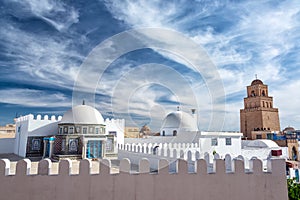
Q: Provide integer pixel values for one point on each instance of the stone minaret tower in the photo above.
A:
(258, 113)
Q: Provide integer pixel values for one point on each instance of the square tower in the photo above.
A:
(258, 113)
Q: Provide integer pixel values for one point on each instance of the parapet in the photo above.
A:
(46, 167)
(38, 118)
(144, 183)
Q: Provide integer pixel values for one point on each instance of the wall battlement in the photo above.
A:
(23, 167)
(143, 185)
(38, 118)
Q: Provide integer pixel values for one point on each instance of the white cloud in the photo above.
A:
(55, 13)
(42, 59)
(260, 35)
(34, 98)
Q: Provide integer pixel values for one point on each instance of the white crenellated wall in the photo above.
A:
(143, 185)
(29, 125)
(117, 125)
(187, 151)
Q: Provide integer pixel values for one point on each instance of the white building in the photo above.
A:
(81, 132)
(180, 131)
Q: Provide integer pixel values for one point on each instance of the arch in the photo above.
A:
(174, 132)
(155, 149)
(252, 93)
(263, 104)
(270, 104)
(294, 154)
(263, 93)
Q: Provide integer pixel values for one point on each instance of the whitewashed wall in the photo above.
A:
(28, 126)
(117, 125)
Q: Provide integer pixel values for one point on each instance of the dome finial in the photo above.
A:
(256, 76)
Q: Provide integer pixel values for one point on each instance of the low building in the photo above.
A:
(8, 131)
(131, 132)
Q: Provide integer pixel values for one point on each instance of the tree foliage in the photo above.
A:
(293, 189)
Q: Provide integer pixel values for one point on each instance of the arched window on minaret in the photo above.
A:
(263, 93)
(252, 93)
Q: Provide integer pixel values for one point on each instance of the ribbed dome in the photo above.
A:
(181, 120)
(257, 82)
(82, 114)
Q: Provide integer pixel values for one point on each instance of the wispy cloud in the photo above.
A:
(242, 39)
(56, 13)
(34, 98)
(44, 43)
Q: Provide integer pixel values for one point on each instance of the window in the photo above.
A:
(109, 145)
(60, 130)
(63, 145)
(97, 130)
(163, 133)
(228, 141)
(258, 136)
(91, 130)
(65, 129)
(77, 128)
(36, 144)
(114, 133)
(84, 130)
(71, 130)
(73, 145)
(214, 141)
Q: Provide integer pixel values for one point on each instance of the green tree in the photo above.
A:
(293, 189)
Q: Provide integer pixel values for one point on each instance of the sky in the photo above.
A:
(139, 60)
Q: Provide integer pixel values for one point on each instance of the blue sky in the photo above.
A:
(43, 45)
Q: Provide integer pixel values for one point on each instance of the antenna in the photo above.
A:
(255, 76)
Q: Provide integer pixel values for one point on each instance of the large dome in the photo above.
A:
(180, 120)
(82, 114)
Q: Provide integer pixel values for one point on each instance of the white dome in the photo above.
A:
(82, 114)
(180, 120)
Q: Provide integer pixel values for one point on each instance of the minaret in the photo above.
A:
(258, 113)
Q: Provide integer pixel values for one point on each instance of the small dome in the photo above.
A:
(263, 143)
(181, 120)
(82, 114)
(257, 82)
(289, 128)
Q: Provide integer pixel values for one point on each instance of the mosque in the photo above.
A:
(80, 133)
